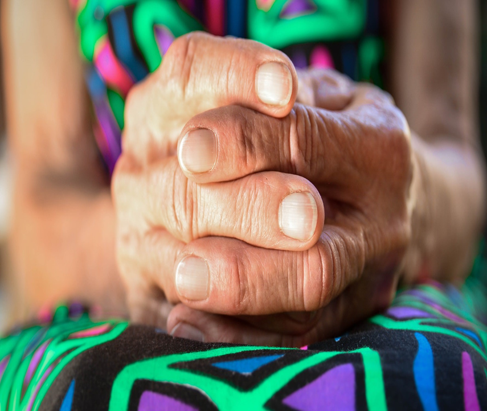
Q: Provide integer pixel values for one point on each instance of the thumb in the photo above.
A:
(201, 72)
(215, 72)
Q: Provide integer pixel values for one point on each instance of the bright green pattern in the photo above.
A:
(227, 397)
(333, 20)
(59, 352)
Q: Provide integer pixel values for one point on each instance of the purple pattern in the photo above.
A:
(35, 361)
(152, 401)
(299, 59)
(408, 312)
(110, 131)
(334, 390)
(295, 8)
(469, 390)
(164, 38)
(448, 314)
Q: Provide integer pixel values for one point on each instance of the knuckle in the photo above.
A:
(331, 267)
(132, 102)
(248, 200)
(180, 206)
(178, 62)
(120, 176)
(305, 151)
(127, 251)
(237, 266)
(319, 280)
(400, 151)
(246, 146)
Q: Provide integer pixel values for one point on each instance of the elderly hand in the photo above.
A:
(158, 209)
(236, 226)
(359, 159)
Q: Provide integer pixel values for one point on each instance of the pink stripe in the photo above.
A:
(469, 390)
(110, 69)
(304, 347)
(215, 17)
(75, 3)
(321, 58)
(91, 332)
(45, 314)
(264, 4)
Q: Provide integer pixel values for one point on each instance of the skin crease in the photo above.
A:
(392, 200)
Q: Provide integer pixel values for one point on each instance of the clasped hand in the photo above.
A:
(251, 210)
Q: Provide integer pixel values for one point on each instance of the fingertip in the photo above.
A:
(197, 151)
(273, 84)
(276, 86)
(298, 216)
(302, 217)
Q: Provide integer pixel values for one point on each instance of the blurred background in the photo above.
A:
(5, 195)
(6, 163)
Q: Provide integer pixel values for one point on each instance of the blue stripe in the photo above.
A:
(470, 334)
(68, 399)
(424, 374)
(247, 365)
(236, 17)
(96, 86)
(123, 46)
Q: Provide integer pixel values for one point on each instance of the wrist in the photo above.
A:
(446, 211)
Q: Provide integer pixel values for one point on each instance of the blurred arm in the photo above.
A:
(64, 226)
(434, 82)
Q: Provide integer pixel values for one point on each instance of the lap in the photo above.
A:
(426, 352)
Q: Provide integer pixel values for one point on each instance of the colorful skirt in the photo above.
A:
(427, 352)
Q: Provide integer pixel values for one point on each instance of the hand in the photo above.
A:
(360, 161)
(158, 209)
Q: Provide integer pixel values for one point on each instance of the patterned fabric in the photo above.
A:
(125, 40)
(428, 351)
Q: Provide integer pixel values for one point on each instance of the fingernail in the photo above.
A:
(183, 330)
(192, 278)
(273, 83)
(197, 151)
(298, 214)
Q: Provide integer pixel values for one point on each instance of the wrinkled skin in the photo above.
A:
(348, 146)
(64, 225)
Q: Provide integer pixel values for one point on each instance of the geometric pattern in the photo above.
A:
(248, 365)
(413, 356)
(426, 352)
(333, 390)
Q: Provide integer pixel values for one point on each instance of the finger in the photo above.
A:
(225, 71)
(231, 142)
(322, 146)
(146, 264)
(324, 88)
(150, 311)
(271, 210)
(227, 276)
(145, 255)
(200, 72)
(355, 304)
(185, 322)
